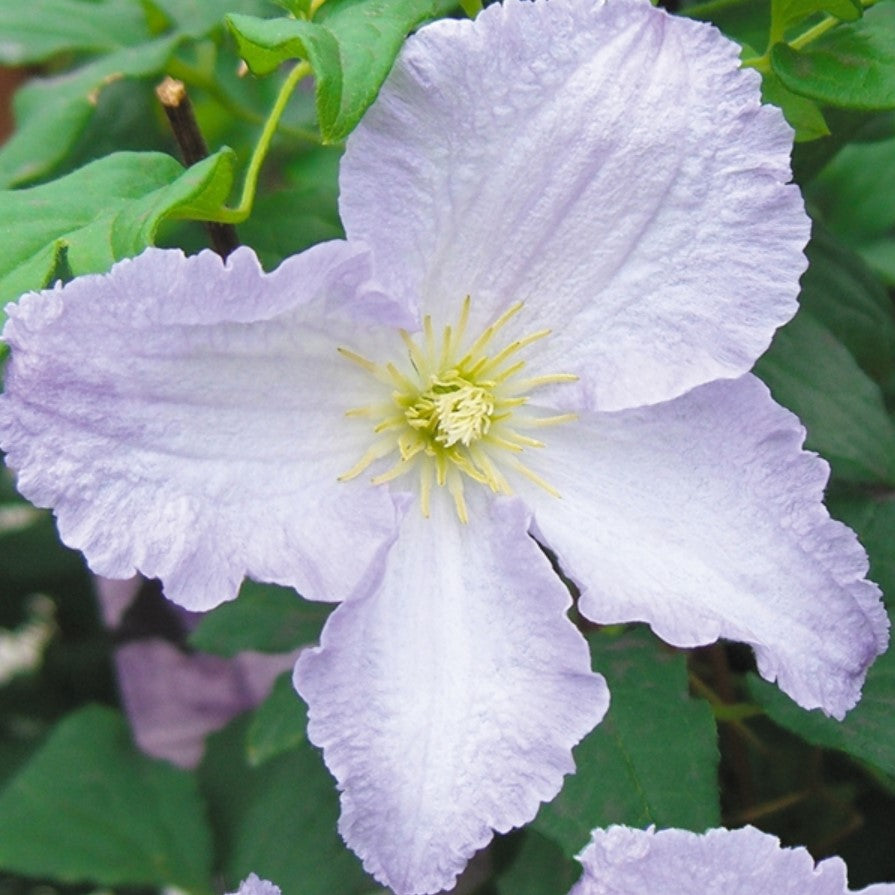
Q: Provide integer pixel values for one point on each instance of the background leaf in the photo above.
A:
(653, 759)
(278, 820)
(803, 114)
(529, 863)
(790, 12)
(36, 30)
(304, 212)
(853, 66)
(278, 725)
(90, 808)
(196, 18)
(105, 211)
(351, 45)
(52, 112)
(853, 195)
(265, 617)
(813, 374)
(746, 21)
(842, 293)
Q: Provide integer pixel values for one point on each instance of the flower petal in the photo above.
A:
(703, 517)
(606, 163)
(624, 861)
(254, 885)
(186, 418)
(447, 700)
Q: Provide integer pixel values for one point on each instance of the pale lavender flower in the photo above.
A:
(254, 885)
(174, 698)
(578, 213)
(624, 861)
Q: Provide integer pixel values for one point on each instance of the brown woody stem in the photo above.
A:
(173, 97)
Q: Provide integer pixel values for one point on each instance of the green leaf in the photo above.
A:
(843, 294)
(846, 126)
(278, 820)
(804, 115)
(105, 211)
(528, 863)
(853, 196)
(265, 618)
(90, 808)
(51, 112)
(880, 257)
(853, 66)
(35, 31)
(854, 192)
(350, 46)
(746, 21)
(301, 9)
(265, 44)
(868, 731)
(654, 759)
(196, 18)
(279, 724)
(786, 13)
(813, 374)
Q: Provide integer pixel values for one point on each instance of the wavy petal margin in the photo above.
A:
(185, 418)
(704, 517)
(254, 885)
(448, 699)
(625, 861)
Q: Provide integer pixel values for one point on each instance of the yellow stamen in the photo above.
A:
(455, 487)
(425, 488)
(360, 360)
(391, 473)
(511, 349)
(559, 419)
(390, 422)
(482, 341)
(550, 379)
(452, 410)
(417, 358)
(375, 452)
(532, 476)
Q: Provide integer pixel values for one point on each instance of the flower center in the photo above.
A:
(454, 412)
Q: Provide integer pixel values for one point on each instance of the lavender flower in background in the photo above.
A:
(175, 698)
(624, 861)
(569, 237)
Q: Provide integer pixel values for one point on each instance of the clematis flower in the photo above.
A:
(570, 235)
(624, 861)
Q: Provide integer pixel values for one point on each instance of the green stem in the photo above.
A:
(759, 63)
(250, 185)
(471, 7)
(763, 63)
(194, 77)
(821, 28)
